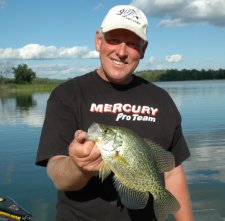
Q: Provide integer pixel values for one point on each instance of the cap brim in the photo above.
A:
(123, 26)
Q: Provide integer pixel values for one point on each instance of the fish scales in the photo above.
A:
(138, 165)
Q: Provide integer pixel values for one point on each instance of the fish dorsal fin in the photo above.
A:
(164, 159)
(104, 171)
(130, 198)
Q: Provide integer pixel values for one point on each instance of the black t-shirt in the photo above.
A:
(76, 104)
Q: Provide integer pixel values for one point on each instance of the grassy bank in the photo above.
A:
(38, 85)
(30, 87)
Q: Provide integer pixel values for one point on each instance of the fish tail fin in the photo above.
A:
(164, 204)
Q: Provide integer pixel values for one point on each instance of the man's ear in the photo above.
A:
(98, 41)
(145, 45)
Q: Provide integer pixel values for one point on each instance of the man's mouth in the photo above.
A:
(118, 62)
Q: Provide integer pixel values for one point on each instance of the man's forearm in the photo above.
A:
(65, 174)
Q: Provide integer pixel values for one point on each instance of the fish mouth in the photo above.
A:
(93, 132)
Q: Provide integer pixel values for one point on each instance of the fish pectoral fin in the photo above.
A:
(120, 159)
(130, 198)
(104, 171)
(164, 160)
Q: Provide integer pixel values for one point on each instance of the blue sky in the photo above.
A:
(56, 37)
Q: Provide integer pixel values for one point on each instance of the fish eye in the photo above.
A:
(106, 131)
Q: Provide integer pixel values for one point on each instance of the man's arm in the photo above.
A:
(175, 181)
(72, 172)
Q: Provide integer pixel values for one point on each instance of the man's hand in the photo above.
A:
(71, 173)
(84, 153)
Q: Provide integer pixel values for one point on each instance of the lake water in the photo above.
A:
(202, 106)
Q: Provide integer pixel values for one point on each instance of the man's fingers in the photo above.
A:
(80, 147)
(80, 136)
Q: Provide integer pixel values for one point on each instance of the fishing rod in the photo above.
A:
(10, 210)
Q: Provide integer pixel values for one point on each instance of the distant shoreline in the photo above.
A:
(7, 86)
(182, 75)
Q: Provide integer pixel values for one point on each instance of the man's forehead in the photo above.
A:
(122, 33)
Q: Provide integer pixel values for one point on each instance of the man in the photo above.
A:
(110, 95)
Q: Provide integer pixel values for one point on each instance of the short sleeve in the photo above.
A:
(179, 146)
(58, 128)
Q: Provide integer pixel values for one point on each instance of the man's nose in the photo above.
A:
(122, 50)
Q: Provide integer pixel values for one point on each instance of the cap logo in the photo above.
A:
(126, 17)
(129, 14)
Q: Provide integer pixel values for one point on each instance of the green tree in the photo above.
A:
(23, 74)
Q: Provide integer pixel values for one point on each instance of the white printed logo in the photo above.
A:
(127, 112)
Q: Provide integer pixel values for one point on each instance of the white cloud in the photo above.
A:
(36, 51)
(171, 23)
(181, 12)
(61, 70)
(174, 58)
(91, 54)
(151, 60)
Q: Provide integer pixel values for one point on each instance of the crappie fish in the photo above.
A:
(137, 164)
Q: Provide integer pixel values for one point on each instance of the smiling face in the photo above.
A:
(120, 52)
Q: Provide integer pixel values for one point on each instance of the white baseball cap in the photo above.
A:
(126, 17)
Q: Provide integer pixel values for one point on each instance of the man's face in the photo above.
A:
(120, 52)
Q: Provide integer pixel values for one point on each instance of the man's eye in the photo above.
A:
(113, 41)
(132, 45)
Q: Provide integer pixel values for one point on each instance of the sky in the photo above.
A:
(56, 37)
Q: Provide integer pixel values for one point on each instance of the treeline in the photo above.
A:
(38, 80)
(182, 75)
